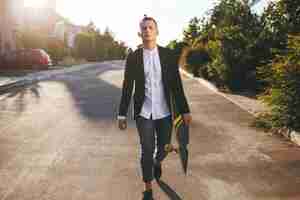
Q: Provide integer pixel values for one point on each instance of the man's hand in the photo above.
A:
(187, 118)
(122, 124)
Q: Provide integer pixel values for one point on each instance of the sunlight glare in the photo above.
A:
(34, 3)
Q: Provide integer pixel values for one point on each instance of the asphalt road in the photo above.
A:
(59, 140)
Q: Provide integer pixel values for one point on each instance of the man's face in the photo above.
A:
(148, 31)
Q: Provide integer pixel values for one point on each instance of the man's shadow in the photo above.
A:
(168, 190)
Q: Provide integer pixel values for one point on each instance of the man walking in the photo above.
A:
(153, 71)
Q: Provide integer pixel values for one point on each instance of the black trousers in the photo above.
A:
(154, 134)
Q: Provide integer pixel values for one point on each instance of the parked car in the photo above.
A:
(27, 59)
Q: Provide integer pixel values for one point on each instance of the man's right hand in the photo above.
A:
(122, 124)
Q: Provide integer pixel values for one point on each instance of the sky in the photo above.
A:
(122, 17)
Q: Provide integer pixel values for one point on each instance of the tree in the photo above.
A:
(281, 73)
(279, 20)
(284, 93)
(191, 33)
(291, 10)
(177, 46)
(237, 30)
(84, 47)
(198, 58)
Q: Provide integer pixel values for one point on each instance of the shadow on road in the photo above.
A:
(95, 98)
(18, 95)
(168, 190)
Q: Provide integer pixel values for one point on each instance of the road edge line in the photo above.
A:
(210, 86)
(291, 135)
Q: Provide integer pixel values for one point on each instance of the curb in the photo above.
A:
(291, 135)
(214, 89)
(18, 83)
(41, 75)
(47, 74)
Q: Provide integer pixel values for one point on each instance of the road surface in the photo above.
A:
(59, 140)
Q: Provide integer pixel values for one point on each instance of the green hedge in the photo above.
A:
(284, 94)
(197, 60)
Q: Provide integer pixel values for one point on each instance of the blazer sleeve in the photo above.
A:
(177, 87)
(127, 88)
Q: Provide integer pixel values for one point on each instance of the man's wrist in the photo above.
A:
(120, 117)
(186, 113)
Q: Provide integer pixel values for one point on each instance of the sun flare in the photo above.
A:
(35, 3)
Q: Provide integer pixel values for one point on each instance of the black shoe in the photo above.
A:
(148, 195)
(157, 171)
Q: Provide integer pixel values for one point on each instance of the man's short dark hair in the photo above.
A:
(146, 18)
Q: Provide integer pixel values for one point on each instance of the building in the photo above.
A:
(51, 4)
(42, 19)
(72, 30)
(11, 18)
(15, 17)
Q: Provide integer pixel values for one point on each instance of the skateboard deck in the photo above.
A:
(181, 130)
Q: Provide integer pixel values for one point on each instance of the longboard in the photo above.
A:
(182, 138)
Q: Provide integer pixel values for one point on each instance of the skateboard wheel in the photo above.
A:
(169, 148)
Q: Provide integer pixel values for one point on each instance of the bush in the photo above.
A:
(284, 96)
(56, 50)
(231, 37)
(197, 60)
(84, 46)
(216, 68)
(69, 61)
(263, 121)
(236, 46)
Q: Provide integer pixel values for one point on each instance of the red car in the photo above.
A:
(26, 59)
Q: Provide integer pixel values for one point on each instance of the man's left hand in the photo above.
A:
(187, 118)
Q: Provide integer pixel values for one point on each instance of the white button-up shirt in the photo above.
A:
(155, 101)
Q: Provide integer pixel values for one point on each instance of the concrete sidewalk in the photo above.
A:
(247, 104)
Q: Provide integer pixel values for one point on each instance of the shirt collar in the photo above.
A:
(150, 51)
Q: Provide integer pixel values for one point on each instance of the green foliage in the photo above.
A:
(275, 25)
(279, 75)
(90, 45)
(197, 59)
(263, 121)
(217, 67)
(84, 46)
(284, 95)
(246, 51)
(278, 20)
(271, 41)
(94, 46)
(176, 46)
(106, 47)
(192, 32)
(291, 11)
(69, 61)
(56, 49)
(232, 41)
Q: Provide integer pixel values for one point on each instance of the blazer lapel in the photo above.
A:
(162, 59)
(140, 63)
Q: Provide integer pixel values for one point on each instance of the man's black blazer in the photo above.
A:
(134, 78)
